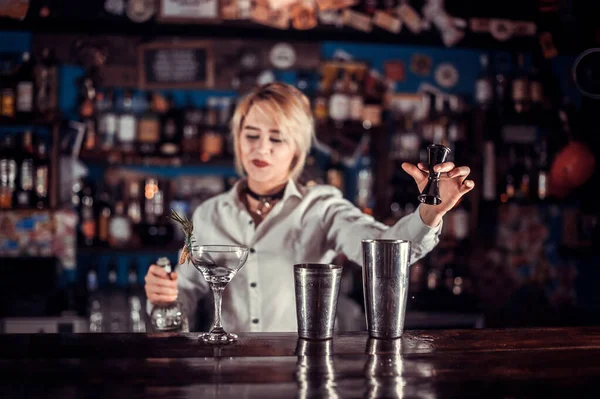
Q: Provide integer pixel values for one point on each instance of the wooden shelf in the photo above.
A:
(35, 121)
(158, 165)
(29, 211)
(92, 25)
(170, 248)
(118, 157)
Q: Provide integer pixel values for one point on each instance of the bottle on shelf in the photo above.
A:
(485, 126)
(458, 127)
(120, 231)
(127, 123)
(136, 299)
(91, 134)
(428, 124)
(374, 91)
(339, 100)
(107, 120)
(542, 171)
(8, 171)
(320, 109)
(94, 125)
(170, 143)
(105, 213)
(441, 133)
(356, 98)
(484, 85)
(212, 142)
(87, 219)
(502, 91)
(156, 228)
(25, 88)
(46, 84)
(364, 184)
(42, 177)
(134, 203)
(525, 192)
(520, 91)
(226, 112)
(25, 187)
(489, 171)
(116, 316)
(511, 176)
(536, 94)
(168, 316)
(7, 91)
(461, 220)
(95, 306)
(192, 121)
(87, 95)
(148, 134)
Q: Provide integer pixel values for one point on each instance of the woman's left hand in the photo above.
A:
(453, 185)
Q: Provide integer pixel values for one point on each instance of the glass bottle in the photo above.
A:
(115, 318)
(148, 134)
(192, 119)
(339, 102)
(167, 316)
(42, 177)
(95, 308)
(520, 87)
(87, 220)
(107, 121)
(24, 193)
(105, 213)
(46, 82)
(127, 123)
(135, 295)
(212, 145)
(542, 174)
(25, 91)
(170, 144)
(7, 91)
(134, 205)
(484, 84)
(8, 171)
(119, 227)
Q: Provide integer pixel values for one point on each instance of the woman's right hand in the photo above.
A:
(160, 287)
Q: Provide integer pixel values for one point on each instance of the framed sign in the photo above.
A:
(188, 10)
(184, 65)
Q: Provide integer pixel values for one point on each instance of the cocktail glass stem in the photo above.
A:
(217, 334)
(217, 290)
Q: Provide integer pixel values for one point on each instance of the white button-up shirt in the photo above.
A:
(308, 225)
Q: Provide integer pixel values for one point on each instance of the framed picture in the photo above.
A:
(188, 11)
(330, 72)
(184, 65)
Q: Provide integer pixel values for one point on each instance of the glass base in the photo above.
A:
(218, 338)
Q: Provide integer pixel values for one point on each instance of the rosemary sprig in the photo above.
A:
(186, 224)
(187, 227)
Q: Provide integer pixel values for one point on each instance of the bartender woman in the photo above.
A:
(284, 222)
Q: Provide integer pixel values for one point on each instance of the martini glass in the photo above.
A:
(218, 264)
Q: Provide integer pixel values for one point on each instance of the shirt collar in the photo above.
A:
(233, 197)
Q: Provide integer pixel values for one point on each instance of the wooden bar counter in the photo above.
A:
(469, 363)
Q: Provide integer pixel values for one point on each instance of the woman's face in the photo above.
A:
(265, 156)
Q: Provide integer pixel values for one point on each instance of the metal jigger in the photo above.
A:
(436, 154)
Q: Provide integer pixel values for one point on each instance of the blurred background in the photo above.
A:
(113, 112)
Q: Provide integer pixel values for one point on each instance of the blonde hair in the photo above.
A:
(290, 109)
